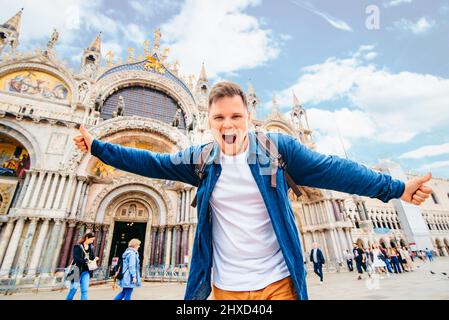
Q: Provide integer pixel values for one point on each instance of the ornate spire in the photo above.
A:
(96, 44)
(203, 76)
(296, 102)
(157, 40)
(14, 22)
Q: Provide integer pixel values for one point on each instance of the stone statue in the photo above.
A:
(53, 40)
(176, 120)
(82, 91)
(98, 104)
(157, 40)
(109, 58)
(120, 106)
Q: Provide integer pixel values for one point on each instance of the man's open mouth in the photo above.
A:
(229, 138)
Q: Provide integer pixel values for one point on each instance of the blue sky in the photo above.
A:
(384, 90)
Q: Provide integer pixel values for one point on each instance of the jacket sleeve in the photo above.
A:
(78, 255)
(178, 166)
(132, 265)
(313, 169)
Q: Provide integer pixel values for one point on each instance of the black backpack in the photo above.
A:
(118, 270)
(268, 147)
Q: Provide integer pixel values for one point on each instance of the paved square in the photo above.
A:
(420, 284)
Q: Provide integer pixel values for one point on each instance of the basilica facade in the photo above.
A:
(51, 193)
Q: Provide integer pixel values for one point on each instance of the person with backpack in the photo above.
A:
(83, 264)
(128, 274)
(247, 243)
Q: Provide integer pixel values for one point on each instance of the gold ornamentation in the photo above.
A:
(155, 64)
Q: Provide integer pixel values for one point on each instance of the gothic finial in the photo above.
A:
(96, 44)
(296, 102)
(14, 22)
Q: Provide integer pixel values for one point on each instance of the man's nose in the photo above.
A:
(227, 123)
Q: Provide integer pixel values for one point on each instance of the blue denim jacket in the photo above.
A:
(305, 166)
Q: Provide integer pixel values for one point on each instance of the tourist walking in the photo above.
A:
(317, 257)
(394, 260)
(378, 260)
(84, 263)
(129, 270)
(359, 257)
(429, 254)
(408, 259)
(349, 260)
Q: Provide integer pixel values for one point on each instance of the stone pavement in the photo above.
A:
(420, 284)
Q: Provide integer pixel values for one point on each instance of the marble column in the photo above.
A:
(23, 191)
(168, 245)
(51, 247)
(26, 245)
(161, 245)
(37, 191)
(191, 241)
(153, 246)
(6, 235)
(52, 193)
(29, 190)
(188, 201)
(68, 194)
(67, 243)
(349, 238)
(173, 246)
(184, 245)
(183, 205)
(38, 248)
(178, 244)
(12, 247)
(57, 203)
(336, 245)
(103, 242)
(77, 196)
(83, 202)
(44, 193)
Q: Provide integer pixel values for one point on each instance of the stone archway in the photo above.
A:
(153, 202)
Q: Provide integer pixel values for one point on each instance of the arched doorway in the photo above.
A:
(130, 223)
(14, 160)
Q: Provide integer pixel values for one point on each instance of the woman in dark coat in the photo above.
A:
(82, 253)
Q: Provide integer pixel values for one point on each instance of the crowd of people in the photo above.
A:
(373, 260)
(384, 261)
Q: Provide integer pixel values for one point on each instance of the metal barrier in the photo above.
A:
(18, 279)
(166, 273)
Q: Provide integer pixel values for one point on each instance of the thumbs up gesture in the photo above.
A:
(415, 190)
(83, 141)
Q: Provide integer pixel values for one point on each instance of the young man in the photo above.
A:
(246, 228)
(317, 257)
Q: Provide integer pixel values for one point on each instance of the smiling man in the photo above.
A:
(246, 244)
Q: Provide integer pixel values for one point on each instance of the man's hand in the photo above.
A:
(134, 280)
(84, 140)
(415, 191)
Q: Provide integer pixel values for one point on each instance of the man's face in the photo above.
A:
(229, 121)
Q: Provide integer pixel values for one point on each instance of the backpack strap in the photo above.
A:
(277, 162)
(201, 165)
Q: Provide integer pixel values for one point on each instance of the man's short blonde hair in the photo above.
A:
(134, 243)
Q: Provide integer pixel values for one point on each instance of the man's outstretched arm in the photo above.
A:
(310, 168)
(178, 166)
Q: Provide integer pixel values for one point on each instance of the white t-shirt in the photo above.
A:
(246, 253)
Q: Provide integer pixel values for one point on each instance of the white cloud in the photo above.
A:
(134, 33)
(335, 22)
(427, 151)
(219, 34)
(150, 8)
(422, 26)
(434, 165)
(395, 106)
(394, 3)
(334, 129)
